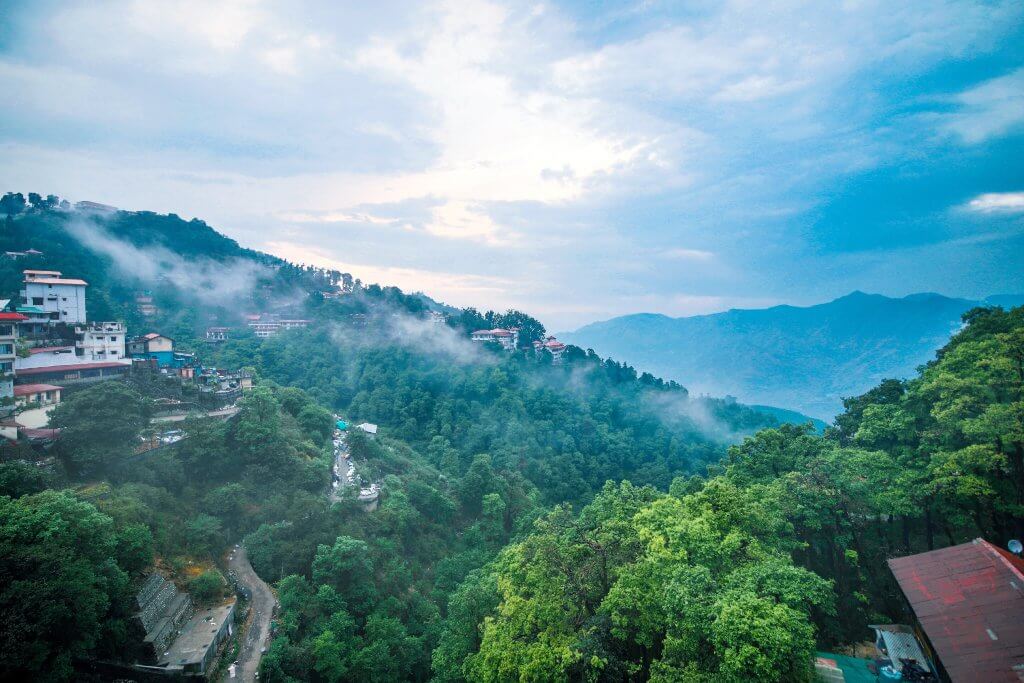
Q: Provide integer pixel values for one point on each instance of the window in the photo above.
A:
(37, 301)
(113, 339)
(6, 330)
(7, 348)
(6, 366)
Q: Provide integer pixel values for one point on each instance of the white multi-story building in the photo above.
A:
(268, 325)
(509, 339)
(61, 299)
(100, 341)
(8, 353)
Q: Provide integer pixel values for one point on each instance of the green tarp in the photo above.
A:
(854, 670)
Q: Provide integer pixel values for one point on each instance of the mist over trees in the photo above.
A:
(536, 521)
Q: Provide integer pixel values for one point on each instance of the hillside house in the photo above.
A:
(43, 394)
(552, 346)
(100, 341)
(968, 603)
(58, 298)
(159, 349)
(508, 339)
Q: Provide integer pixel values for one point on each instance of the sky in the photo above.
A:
(577, 160)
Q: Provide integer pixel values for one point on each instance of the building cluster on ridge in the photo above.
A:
(508, 339)
(48, 343)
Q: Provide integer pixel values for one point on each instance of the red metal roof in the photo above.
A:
(969, 599)
(12, 316)
(49, 349)
(26, 389)
(69, 368)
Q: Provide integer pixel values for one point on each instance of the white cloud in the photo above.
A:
(998, 202)
(682, 254)
(460, 289)
(462, 221)
(334, 217)
(423, 140)
(992, 109)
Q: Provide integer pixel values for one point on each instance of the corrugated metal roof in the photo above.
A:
(26, 389)
(69, 368)
(56, 281)
(969, 600)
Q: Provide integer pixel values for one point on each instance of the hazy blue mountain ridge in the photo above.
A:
(800, 358)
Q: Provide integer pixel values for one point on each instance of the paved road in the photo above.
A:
(258, 635)
(225, 412)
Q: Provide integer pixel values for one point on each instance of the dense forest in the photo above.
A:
(537, 521)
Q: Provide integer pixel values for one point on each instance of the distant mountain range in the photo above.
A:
(800, 358)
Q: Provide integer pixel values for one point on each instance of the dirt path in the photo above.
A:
(258, 635)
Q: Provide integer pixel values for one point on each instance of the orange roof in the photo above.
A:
(26, 389)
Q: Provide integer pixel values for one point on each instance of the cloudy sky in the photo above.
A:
(576, 159)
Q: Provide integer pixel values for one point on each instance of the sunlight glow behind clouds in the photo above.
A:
(632, 160)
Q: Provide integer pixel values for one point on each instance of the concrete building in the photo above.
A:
(8, 355)
(267, 325)
(43, 394)
(100, 341)
(144, 301)
(60, 299)
(509, 339)
(153, 346)
(216, 334)
(34, 403)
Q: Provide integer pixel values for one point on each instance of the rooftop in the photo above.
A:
(969, 599)
(50, 349)
(70, 367)
(26, 389)
(55, 281)
(197, 635)
(12, 316)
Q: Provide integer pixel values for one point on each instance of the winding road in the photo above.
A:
(263, 602)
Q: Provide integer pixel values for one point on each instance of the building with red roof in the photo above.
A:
(968, 601)
(552, 346)
(43, 394)
(509, 339)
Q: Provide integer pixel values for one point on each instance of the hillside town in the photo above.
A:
(49, 346)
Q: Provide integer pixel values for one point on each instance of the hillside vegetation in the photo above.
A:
(536, 522)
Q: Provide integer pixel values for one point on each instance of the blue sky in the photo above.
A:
(578, 160)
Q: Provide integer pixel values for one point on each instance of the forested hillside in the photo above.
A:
(738, 575)
(537, 521)
(475, 444)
